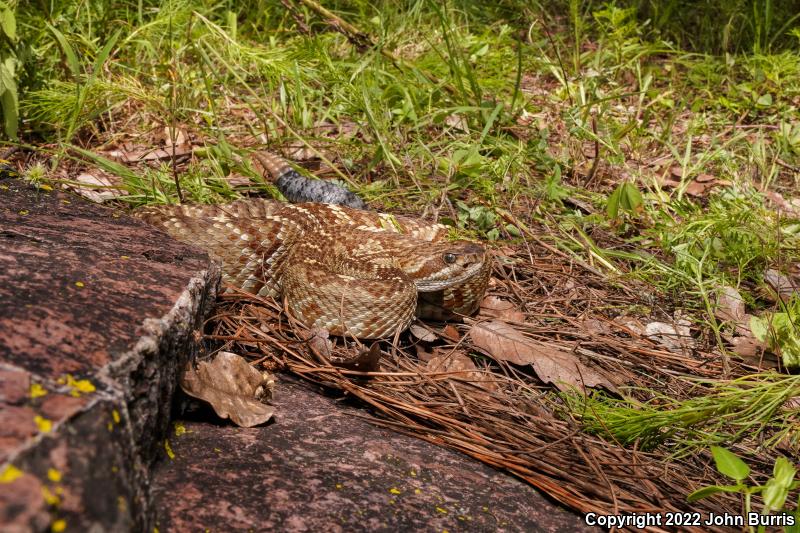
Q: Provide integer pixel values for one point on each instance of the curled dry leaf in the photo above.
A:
(319, 343)
(552, 364)
(366, 360)
(234, 389)
(494, 307)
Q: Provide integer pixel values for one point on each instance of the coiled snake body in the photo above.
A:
(346, 270)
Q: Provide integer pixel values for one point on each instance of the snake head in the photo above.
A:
(448, 264)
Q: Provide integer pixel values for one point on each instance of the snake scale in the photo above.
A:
(349, 271)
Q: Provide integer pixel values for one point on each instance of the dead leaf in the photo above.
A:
(364, 361)
(730, 308)
(174, 136)
(237, 180)
(234, 389)
(781, 284)
(634, 326)
(422, 354)
(791, 206)
(552, 364)
(747, 347)
(594, 325)
(462, 367)
(451, 333)
(319, 342)
(494, 307)
(98, 187)
(695, 188)
(676, 338)
(422, 333)
(457, 122)
(155, 154)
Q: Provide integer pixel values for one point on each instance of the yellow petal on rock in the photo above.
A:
(10, 473)
(43, 424)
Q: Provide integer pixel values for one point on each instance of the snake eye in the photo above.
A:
(449, 258)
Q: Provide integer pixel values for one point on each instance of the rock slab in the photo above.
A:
(97, 317)
(321, 467)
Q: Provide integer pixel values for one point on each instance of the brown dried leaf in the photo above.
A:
(494, 307)
(234, 389)
(235, 179)
(451, 333)
(792, 206)
(99, 187)
(364, 361)
(676, 337)
(319, 343)
(422, 333)
(781, 284)
(178, 134)
(462, 366)
(155, 154)
(551, 363)
(730, 306)
(747, 347)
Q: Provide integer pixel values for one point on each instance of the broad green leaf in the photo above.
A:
(729, 464)
(8, 100)
(630, 197)
(8, 22)
(774, 494)
(765, 100)
(612, 204)
(626, 197)
(72, 58)
(705, 492)
(759, 328)
(104, 53)
(784, 471)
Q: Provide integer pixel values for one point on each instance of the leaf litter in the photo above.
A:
(233, 387)
(490, 387)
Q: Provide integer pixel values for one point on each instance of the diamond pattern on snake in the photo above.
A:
(349, 271)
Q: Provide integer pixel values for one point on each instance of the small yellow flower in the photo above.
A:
(43, 424)
(9, 474)
(49, 497)
(37, 391)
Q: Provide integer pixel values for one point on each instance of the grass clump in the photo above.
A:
(724, 412)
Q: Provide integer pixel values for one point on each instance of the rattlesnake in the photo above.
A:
(346, 270)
